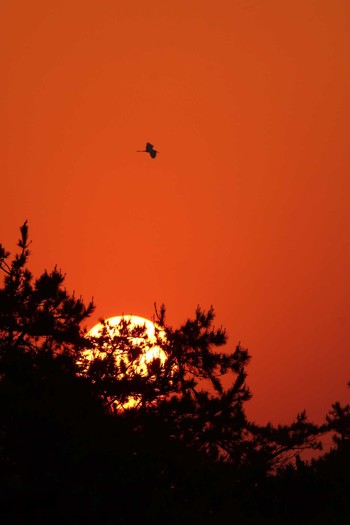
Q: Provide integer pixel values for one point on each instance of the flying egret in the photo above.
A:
(149, 149)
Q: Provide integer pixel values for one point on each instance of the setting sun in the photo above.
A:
(133, 342)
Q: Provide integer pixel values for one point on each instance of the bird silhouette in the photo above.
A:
(149, 149)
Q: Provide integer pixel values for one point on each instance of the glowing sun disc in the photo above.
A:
(150, 351)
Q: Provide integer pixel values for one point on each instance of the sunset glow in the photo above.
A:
(246, 206)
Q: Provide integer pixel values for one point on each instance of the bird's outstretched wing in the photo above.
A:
(149, 147)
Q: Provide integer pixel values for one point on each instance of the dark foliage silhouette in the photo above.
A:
(183, 451)
(186, 394)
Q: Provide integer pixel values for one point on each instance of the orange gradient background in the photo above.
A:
(246, 207)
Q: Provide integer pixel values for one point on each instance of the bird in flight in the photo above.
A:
(149, 149)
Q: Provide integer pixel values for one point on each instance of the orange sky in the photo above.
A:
(247, 205)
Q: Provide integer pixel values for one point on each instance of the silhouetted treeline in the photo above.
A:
(183, 452)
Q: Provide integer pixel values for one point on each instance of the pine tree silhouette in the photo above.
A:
(185, 452)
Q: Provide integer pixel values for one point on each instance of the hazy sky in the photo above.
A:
(246, 207)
